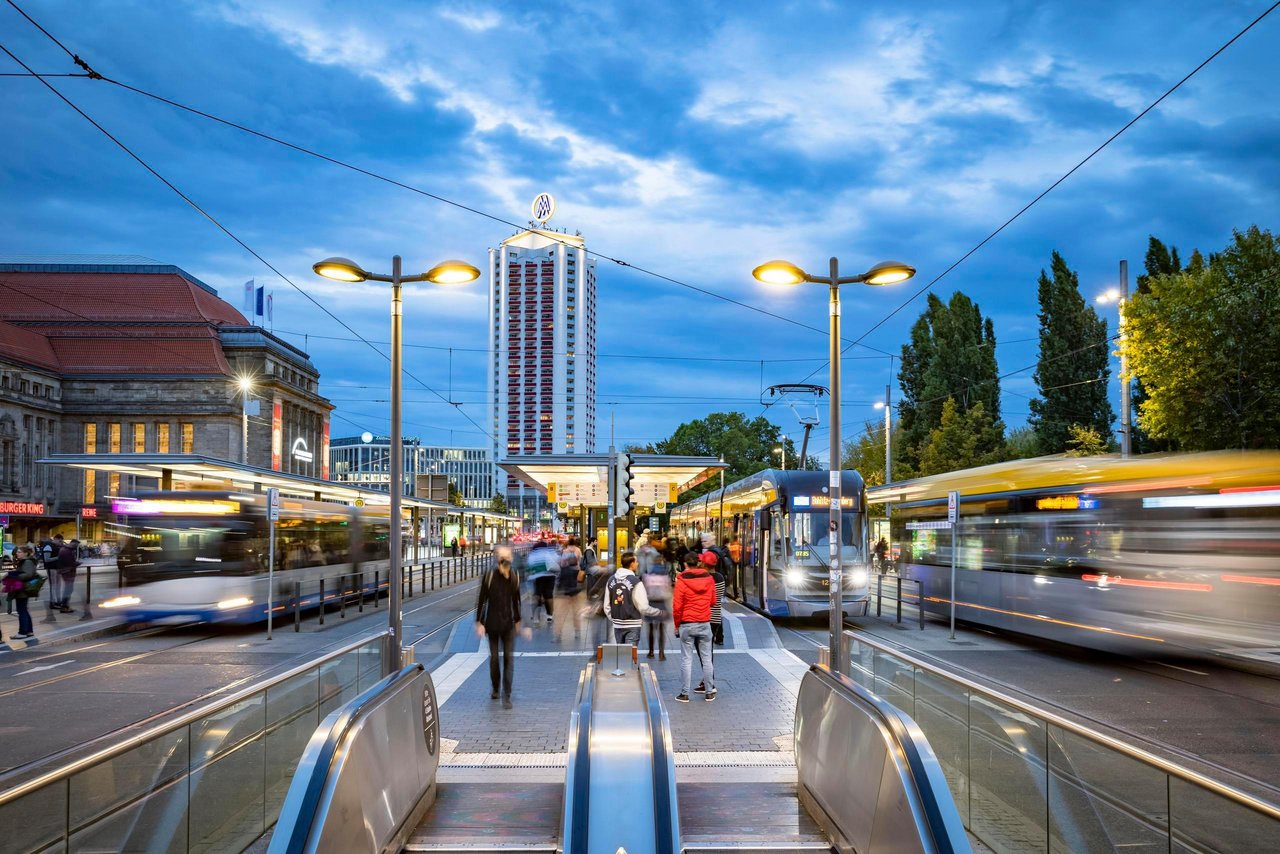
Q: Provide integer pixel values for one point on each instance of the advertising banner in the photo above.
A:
(277, 431)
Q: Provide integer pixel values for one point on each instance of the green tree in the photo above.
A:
(951, 355)
(455, 496)
(1085, 442)
(1074, 362)
(1020, 444)
(498, 504)
(957, 442)
(1206, 344)
(745, 444)
(1161, 260)
(865, 455)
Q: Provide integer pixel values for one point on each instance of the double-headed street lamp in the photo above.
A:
(782, 449)
(444, 273)
(786, 273)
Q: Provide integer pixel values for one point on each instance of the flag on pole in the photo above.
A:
(270, 300)
(248, 296)
(257, 308)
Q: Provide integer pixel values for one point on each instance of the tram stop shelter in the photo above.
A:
(578, 484)
(196, 471)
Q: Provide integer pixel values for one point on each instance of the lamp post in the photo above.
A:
(1120, 296)
(786, 273)
(444, 273)
(246, 385)
(888, 453)
(782, 449)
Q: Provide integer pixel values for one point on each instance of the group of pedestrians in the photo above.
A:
(60, 559)
(663, 579)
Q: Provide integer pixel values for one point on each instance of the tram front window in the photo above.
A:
(176, 547)
(814, 529)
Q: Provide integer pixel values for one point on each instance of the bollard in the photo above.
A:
(88, 594)
(323, 605)
(879, 592)
(360, 592)
(432, 567)
(377, 588)
(342, 598)
(899, 578)
(297, 606)
(410, 581)
(920, 602)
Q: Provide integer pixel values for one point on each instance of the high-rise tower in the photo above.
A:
(542, 345)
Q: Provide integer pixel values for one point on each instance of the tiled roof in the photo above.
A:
(27, 346)
(140, 355)
(80, 296)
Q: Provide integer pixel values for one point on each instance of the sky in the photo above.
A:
(691, 139)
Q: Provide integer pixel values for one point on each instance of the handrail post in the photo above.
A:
(322, 602)
(88, 594)
(342, 598)
(297, 606)
(879, 591)
(899, 579)
(920, 602)
(377, 588)
(360, 592)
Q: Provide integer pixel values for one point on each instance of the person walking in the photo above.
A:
(710, 560)
(453, 547)
(694, 597)
(657, 587)
(498, 617)
(25, 570)
(49, 552)
(68, 563)
(544, 568)
(569, 585)
(626, 602)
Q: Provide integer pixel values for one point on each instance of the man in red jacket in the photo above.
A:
(691, 609)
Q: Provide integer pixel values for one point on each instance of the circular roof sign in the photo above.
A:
(544, 207)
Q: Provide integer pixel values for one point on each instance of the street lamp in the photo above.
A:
(888, 456)
(444, 273)
(786, 273)
(1120, 296)
(246, 385)
(782, 449)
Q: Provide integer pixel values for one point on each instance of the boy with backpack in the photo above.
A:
(626, 602)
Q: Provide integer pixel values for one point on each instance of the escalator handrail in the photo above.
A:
(578, 769)
(665, 815)
(941, 819)
(298, 815)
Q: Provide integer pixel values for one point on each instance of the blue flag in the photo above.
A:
(257, 310)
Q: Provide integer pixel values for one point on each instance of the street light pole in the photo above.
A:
(1126, 416)
(394, 617)
(786, 273)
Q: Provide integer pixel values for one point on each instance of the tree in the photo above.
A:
(1161, 260)
(865, 455)
(951, 355)
(745, 444)
(1021, 444)
(455, 496)
(1074, 362)
(499, 504)
(957, 442)
(1085, 442)
(1206, 344)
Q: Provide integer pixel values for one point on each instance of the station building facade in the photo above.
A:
(355, 462)
(542, 351)
(125, 354)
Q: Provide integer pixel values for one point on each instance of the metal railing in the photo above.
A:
(1026, 779)
(212, 778)
(895, 582)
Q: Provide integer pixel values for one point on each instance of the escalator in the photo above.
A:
(866, 780)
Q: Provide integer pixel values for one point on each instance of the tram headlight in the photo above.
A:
(237, 602)
(122, 602)
(857, 577)
(794, 578)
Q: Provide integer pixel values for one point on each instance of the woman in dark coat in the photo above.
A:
(26, 571)
(498, 616)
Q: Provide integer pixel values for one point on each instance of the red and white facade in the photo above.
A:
(542, 346)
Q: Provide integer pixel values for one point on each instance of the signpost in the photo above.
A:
(273, 516)
(953, 521)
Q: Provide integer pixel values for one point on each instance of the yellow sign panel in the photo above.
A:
(551, 493)
(673, 493)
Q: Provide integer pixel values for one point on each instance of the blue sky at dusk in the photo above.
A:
(693, 139)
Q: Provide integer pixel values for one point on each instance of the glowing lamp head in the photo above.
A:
(889, 273)
(779, 273)
(452, 273)
(340, 270)
(245, 383)
(1112, 295)
(879, 404)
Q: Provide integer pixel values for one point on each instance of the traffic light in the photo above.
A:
(623, 491)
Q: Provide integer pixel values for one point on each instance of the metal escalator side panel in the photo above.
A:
(665, 804)
(577, 773)
(867, 774)
(622, 800)
(368, 773)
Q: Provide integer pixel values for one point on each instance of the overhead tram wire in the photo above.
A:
(1029, 205)
(225, 230)
(301, 149)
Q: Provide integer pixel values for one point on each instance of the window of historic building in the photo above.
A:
(162, 437)
(90, 477)
(188, 437)
(139, 438)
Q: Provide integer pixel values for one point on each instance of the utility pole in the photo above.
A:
(1126, 415)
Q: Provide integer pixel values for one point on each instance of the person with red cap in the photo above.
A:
(695, 595)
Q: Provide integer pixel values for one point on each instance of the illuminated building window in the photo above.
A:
(188, 437)
(113, 438)
(90, 477)
(139, 438)
(162, 438)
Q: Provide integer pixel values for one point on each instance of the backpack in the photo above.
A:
(569, 572)
(621, 606)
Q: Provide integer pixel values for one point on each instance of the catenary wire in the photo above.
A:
(229, 233)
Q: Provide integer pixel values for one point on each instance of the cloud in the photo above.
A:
(475, 20)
